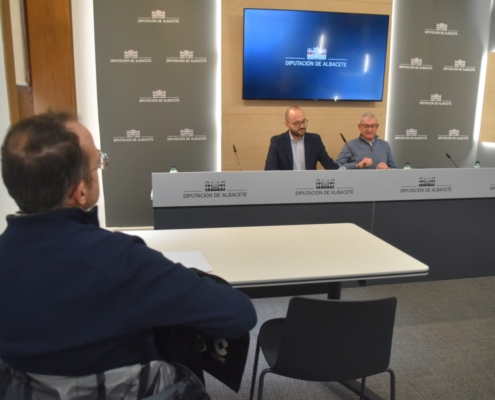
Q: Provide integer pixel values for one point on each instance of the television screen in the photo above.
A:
(308, 55)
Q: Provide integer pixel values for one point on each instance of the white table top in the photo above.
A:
(293, 254)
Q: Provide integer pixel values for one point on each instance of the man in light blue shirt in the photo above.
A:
(368, 151)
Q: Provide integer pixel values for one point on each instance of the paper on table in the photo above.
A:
(189, 259)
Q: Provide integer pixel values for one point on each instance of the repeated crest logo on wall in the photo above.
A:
(453, 134)
(133, 135)
(416, 64)
(131, 56)
(435, 100)
(459, 65)
(158, 17)
(324, 187)
(316, 57)
(411, 134)
(186, 56)
(159, 96)
(186, 135)
(441, 29)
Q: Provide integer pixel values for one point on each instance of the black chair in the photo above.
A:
(327, 341)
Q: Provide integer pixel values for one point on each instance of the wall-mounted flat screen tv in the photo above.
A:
(309, 55)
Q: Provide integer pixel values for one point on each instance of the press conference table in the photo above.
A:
(293, 256)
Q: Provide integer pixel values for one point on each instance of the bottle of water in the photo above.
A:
(477, 164)
(407, 166)
(173, 169)
(342, 168)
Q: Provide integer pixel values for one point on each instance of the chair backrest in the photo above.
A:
(334, 340)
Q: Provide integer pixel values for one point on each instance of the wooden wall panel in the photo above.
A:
(25, 101)
(249, 125)
(488, 115)
(9, 59)
(49, 30)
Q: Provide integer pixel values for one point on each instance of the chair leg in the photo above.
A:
(260, 387)
(392, 383)
(255, 368)
(363, 386)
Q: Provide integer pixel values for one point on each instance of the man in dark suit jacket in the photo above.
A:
(296, 149)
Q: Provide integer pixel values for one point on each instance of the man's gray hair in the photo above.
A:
(368, 115)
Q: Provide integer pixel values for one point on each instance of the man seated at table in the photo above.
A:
(79, 300)
(368, 151)
(296, 149)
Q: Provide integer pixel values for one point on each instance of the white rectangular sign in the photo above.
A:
(190, 189)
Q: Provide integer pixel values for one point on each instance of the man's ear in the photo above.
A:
(286, 124)
(77, 197)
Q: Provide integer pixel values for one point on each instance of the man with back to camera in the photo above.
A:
(79, 300)
(296, 149)
(371, 151)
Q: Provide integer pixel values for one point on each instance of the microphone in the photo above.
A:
(450, 158)
(235, 152)
(345, 141)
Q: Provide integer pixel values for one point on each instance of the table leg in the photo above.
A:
(334, 289)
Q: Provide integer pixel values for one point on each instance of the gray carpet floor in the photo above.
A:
(443, 347)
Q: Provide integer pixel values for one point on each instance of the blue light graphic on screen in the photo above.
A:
(305, 55)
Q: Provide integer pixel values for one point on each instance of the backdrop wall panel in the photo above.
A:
(156, 63)
(437, 53)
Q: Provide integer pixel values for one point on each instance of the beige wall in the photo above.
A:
(250, 124)
(487, 133)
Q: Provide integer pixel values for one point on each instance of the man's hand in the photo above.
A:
(365, 162)
(382, 165)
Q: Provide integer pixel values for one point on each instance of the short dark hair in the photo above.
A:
(41, 161)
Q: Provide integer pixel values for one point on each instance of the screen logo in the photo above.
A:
(316, 53)
(316, 57)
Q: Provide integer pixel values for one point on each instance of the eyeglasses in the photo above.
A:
(297, 124)
(374, 126)
(103, 162)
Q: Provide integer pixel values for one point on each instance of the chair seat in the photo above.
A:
(270, 337)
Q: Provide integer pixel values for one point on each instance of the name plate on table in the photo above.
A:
(432, 184)
(189, 189)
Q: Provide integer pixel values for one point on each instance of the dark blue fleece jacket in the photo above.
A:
(76, 299)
